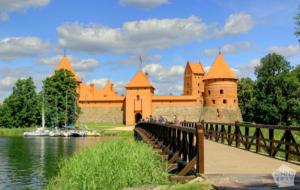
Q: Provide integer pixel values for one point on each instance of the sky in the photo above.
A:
(105, 39)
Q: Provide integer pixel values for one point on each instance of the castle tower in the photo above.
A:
(139, 93)
(193, 80)
(65, 64)
(220, 85)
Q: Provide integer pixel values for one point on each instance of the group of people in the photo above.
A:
(161, 120)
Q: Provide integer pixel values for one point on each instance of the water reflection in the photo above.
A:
(28, 163)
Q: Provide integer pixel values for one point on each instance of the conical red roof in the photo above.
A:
(139, 80)
(65, 64)
(220, 70)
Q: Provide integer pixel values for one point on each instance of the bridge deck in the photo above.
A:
(223, 159)
(232, 168)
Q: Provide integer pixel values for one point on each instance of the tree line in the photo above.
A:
(274, 97)
(23, 108)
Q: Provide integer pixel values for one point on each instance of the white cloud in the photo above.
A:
(100, 82)
(145, 4)
(7, 6)
(158, 73)
(238, 23)
(135, 36)
(140, 36)
(9, 76)
(7, 81)
(246, 70)
(78, 64)
(17, 47)
(289, 51)
(233, 48)
(118, 85)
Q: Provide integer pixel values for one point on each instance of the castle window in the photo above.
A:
(234, 100)
(221, 91)
(224, 101)
(198, 91)
(198, 84)
(138, 97)
(209, 92)
(214, 101)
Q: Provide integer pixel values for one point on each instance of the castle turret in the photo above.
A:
(193, 80)
(65, 64)
(220, 85)
(139, 93)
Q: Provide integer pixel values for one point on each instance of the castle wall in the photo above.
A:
(101, 115)
(188, 113)
(221, 93)
(101, 112)
(223, 115)
(185, 107)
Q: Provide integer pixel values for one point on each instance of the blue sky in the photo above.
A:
(104, 39)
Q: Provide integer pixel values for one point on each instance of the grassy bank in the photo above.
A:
(102, 126)
(14, 131)
(111, 165)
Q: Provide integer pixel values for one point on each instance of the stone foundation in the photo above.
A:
(188, 113)
(210, 114)
(101, 115)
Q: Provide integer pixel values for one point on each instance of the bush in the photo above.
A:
(111, 165)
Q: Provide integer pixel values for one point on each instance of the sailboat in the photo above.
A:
(41, 130)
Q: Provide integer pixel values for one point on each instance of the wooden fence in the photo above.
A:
(272, 140)
(183, 146)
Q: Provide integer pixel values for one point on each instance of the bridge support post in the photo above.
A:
(200, 148)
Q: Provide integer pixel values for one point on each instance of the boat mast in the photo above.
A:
(43, 110)
(66, 110)
(56, 111)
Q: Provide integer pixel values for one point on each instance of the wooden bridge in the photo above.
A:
(228, 154)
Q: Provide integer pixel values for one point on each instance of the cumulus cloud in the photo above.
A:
(78, 64)
(158, 73)
(289, 51)
(7, 6)
(140, 36)
(16, 47)
(100, 82)
(237, 23)
(246, 70)
(9, 76)
(135, 36)
(233, 48)
(145, 4)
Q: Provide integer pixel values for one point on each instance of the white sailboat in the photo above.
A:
(41, 131)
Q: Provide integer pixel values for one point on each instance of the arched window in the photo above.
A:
(224, 101)
(137, 97)
(214, 101)
(209, 92)
(221, 91)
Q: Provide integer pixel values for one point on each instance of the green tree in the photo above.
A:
(273, 90)
(297, 22)
(294, 95)
(61, 99)
(21, 108)
(246, 98)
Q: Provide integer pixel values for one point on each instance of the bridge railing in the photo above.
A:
(182, 144)
(273, 140)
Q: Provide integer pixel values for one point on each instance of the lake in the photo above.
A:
(29, 162)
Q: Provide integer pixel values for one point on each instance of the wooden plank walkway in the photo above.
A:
(232, 168)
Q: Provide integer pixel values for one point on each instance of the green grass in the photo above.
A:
(102, 126)
(111, 165)
(15, 131)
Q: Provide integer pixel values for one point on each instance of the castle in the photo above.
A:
(209, 97)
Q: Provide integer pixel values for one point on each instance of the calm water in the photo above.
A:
(28, 163)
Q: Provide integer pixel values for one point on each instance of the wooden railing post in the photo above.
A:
(200, 148)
